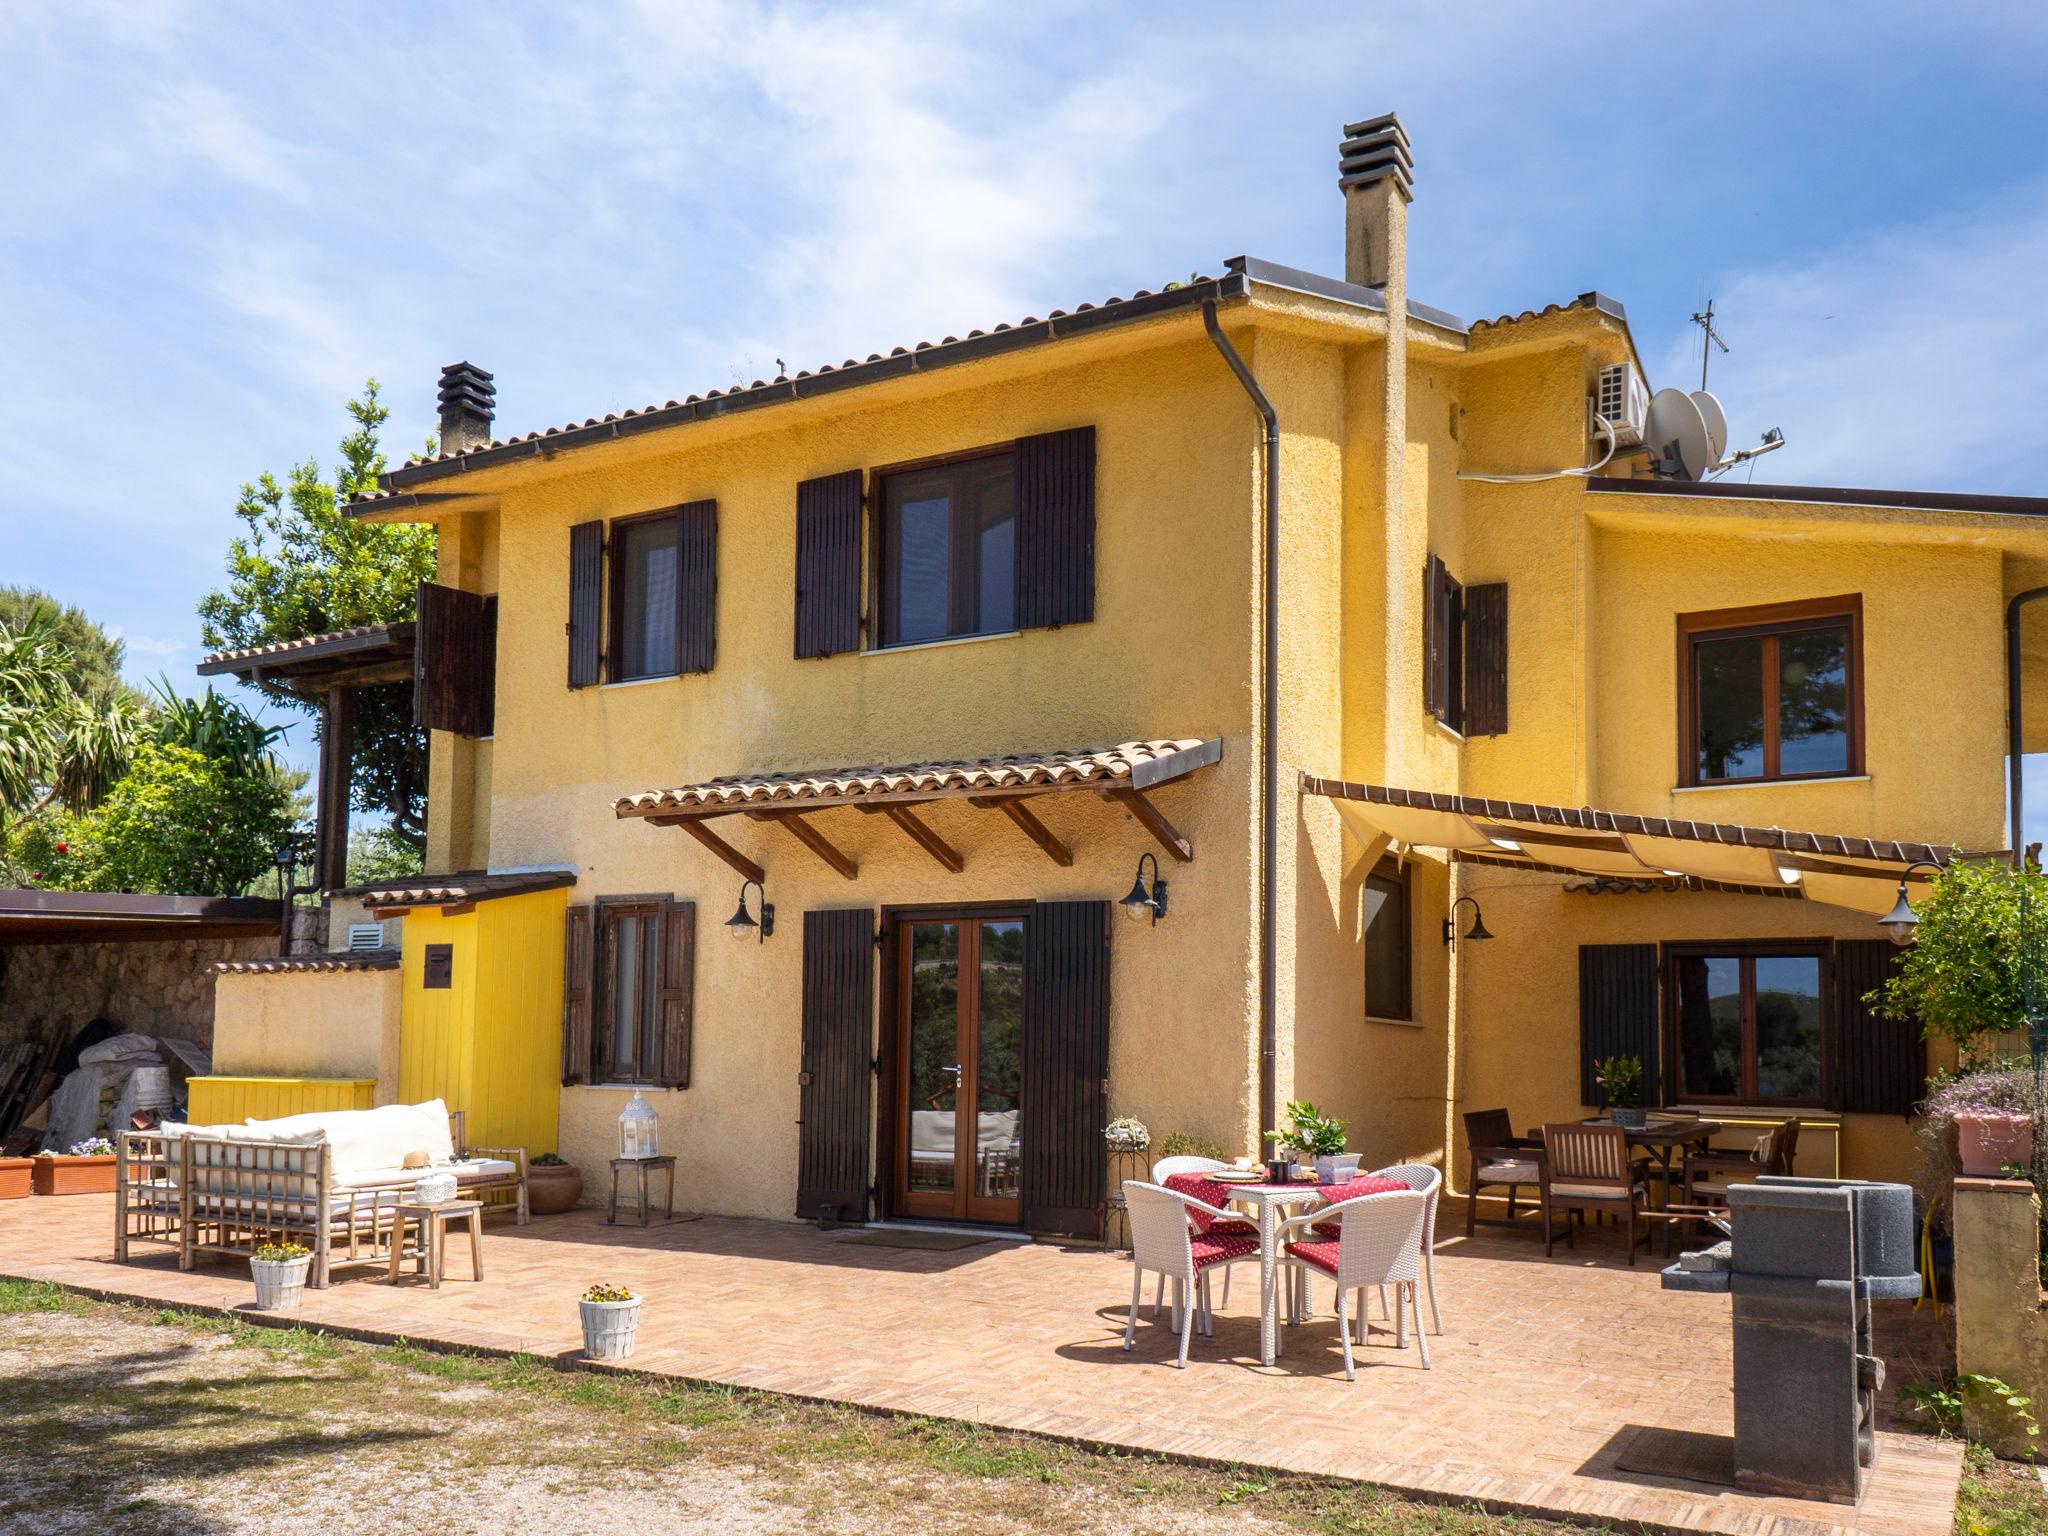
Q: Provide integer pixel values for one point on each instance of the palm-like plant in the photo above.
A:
(33, 692)
(98, 741)
(216, 727)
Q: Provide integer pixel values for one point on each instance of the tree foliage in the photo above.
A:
(56, 742)
(1961, 978)
(183, 823)
(303, 566)
(93, 657)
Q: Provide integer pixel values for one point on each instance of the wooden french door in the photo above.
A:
(959, 1066)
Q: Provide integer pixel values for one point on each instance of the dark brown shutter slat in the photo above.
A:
(828, 528)
(1486, 659)
(455, 660)
(696, 586)
(1880, 1064)
(1056, 528)
(1618, 1014)
(578, 965)
(836, 1067)
(586, 605)
(1065, 1050)
(675, 991)
(1435, 643)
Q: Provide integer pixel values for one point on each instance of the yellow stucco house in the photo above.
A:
(935, 653)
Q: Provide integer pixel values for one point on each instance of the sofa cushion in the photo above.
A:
(373, 1138)
(403, 1179)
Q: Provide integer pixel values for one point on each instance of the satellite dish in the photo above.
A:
(1716, 420)
(1677, 431)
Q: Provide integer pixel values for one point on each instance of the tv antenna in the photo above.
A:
(1709, 339)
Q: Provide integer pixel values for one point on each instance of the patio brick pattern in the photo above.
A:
(1543, 1374)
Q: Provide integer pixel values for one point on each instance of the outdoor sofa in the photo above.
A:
(331, 1180)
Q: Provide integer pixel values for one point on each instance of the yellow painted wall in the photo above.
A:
(231, 1100)
(489, 1044)
(313, 1024)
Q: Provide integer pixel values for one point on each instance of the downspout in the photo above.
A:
(1269, 731)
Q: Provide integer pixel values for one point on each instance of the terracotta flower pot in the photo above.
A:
(15, 1177)
(553, 1188)
(66, 1175)
(1986, 1141)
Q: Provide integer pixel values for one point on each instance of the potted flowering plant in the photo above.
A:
(611, 1316)
(1319, 1138)
(87, 1169)
(1621, 1084)
(279, 1270)
(1125, 1134)
(1977, 1121)
(553, 1184)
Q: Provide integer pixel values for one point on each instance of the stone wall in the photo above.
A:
(2001, 1322)
(159, 988)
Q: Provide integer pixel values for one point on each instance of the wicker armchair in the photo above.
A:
(1429, 1183)
(1227, 1226)
(1163, 1240)
(1587, 1168)
(1501, 1160)
(1379, 1243)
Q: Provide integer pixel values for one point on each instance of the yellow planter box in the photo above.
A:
(231, 1100)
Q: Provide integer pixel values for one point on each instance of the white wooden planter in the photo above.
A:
(280, 1283)
(608, 1328)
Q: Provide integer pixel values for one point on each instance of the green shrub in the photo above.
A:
(48, 850)
(184, 824)
(1188, 1144)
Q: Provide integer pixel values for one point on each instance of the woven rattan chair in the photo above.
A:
(1163, 1240)
(1429, 1183)
(1227, 1226)
(1379, 1243)
(1587, 1168)
(1500, 1159)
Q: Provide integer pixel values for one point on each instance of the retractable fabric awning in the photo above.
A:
(1004, 785)
(1859, 873)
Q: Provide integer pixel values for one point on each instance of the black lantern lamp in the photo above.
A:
(1899, 923)
(1144, 901)
(1476, 933)
(741, 924)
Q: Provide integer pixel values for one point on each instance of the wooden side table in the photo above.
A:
(641, 1165)
(431, 1248)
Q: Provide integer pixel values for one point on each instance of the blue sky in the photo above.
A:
(222, 218)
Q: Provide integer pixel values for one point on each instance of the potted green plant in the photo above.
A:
(279, 1270)
(1621, 1085)
(553, 1184)
(1319, 1138)
(611, 1317)
(87, 1169)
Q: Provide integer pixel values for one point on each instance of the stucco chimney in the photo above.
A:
(1376, 171)
(468, 398)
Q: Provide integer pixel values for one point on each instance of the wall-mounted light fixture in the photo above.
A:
(1901, 921)
(741, 924)
(1144, 901)
(1476, 933)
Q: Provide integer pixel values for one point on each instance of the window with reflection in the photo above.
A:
(1772, 693)
(644, 598)
(1747, 1023)
(947, 551)
(1386, 943)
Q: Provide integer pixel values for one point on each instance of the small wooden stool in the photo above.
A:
(431, 1249)
(642, 1164)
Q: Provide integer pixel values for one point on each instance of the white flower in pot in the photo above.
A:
(279, 1270)
(611, 1317)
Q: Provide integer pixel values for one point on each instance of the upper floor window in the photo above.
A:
(1464, 652)
(1772, 693)
(643, 607)
(946, 558)
(1747, 1022)
(1386, 943)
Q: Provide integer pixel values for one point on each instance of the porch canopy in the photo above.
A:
(1854, 872)
(1002, 785)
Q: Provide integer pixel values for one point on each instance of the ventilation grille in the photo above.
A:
(365, 936)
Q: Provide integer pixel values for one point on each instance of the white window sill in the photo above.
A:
(1394, 1023)
(1753, 784)
(642, 682)
(628, 1088)
(933, 645)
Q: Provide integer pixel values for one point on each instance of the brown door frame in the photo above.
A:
(892, 1139)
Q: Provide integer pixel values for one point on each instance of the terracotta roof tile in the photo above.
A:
(303, 643)
(457, 889)
(288, 965)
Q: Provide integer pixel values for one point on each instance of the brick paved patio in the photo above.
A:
(1545, 1371)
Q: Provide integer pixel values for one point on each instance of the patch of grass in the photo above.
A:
(2000, 1498)
(37, 1296)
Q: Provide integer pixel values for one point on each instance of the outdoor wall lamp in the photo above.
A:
(1476, 933)
(1900, 922)
(1144, 902)
(741, 924)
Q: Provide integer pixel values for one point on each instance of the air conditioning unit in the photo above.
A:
(1624, 402)
(365, 936)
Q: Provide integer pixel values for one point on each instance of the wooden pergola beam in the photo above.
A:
(1149, 818)
(920, 834)
(693, 825)
(1029, 824)
(798, 825)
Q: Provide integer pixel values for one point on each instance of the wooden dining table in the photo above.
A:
(1663, 1136)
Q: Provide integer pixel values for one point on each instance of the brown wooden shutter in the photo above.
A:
(579, 966)
(836, 1071)
(1486, 659)
(1435, 641)
(1056, 528)
(828, 527)
(455, 660)
(1618, 1014)
(675, 991)
(696, 586)
(1879, 1064)
(586, 605)
(1065, 1051)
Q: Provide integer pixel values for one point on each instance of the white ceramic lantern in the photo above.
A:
(639, 1128)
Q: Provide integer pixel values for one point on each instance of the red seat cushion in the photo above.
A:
(1235, 1226)
(1322, 1255)
(1212, 1248)
(1205, 1190)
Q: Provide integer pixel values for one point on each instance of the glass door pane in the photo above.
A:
(1709, 1026)
(931, 1046)
(1788, 1026)
(998, 1068)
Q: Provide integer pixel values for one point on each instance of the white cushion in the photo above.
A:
(374, 1138)
(465, 1173)
(1593, 1191)
(1510, 1173)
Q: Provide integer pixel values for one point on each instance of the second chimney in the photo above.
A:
(1376, 171)
(468, 398)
